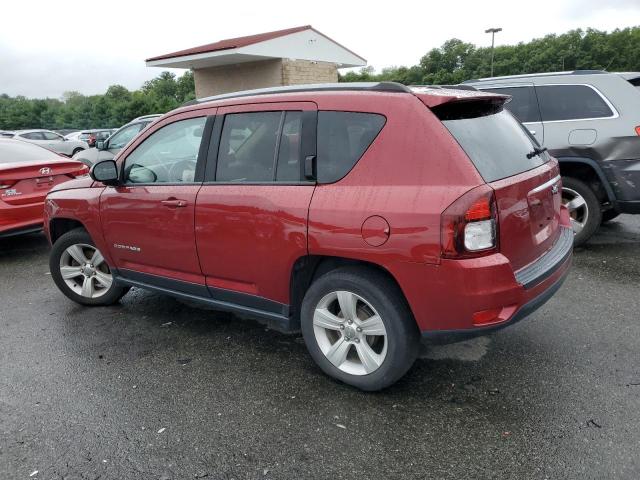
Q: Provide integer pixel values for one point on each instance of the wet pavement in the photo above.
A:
(155, 389)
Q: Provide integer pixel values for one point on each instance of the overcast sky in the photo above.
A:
(48, 47)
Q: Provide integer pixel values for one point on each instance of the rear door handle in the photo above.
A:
(174, 203)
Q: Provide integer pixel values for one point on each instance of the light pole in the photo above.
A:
(493, 32)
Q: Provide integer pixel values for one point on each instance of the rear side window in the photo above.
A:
(571, 102)
(496, 143)
(343, 137)
(260, 147)
(523, 104)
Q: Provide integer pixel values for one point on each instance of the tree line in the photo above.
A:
(454, 62)
(114, 108)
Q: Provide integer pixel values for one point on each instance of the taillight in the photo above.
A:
(638, 129)
(82, 172)
(469, 226)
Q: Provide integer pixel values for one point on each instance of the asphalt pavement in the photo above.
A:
(156, 389)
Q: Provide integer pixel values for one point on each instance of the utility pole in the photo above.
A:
(493, 32)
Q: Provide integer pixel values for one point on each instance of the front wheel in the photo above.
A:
(584, 209)
(81, 272)
(77, 150)
(358, 328)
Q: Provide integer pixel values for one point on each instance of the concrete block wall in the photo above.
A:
(266, 73)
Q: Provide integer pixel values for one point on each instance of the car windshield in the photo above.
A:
(124, 136)
(16, 151)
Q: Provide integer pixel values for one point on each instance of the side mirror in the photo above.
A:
(106, 172)
(101, 145)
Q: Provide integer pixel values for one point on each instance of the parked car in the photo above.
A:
(367, 215)
(107, 148)
(73, 135)
(27, 173)
(590, 121)
(91, 136)
(51, 140)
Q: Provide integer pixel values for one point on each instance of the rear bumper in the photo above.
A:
(490, 285)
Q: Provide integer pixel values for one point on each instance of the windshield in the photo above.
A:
(497, 144)
(16, 151)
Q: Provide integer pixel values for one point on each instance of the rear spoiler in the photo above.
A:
(433, 97)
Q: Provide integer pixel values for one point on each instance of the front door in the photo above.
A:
(251, 213)
(148, 221)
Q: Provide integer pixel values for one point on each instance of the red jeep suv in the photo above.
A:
(366, 215)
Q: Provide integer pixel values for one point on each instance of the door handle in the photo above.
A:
(532, 132)
(174, 203)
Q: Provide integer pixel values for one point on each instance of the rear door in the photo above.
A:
(526, 182)
(523, 105)
(251, 213)
(148, 221)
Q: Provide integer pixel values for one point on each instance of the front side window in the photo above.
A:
(169, 155)
(523, 104)
(51, 136)
(571, 102)
(124, 136)
(343, 137)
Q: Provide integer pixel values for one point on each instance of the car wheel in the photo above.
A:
(358, 328)
(609, 215)
(81, 272)
(77, 150)
(584, 209)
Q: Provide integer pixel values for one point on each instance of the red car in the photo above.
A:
(366, 215)
(27, 173)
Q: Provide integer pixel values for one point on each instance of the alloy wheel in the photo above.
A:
(350, 333)
(84, 270)
(578, 209)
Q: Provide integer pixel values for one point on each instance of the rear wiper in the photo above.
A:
(536, 151)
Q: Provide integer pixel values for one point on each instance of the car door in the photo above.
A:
(523, 105)
(56, 143)
(251, 212)
(148, 221)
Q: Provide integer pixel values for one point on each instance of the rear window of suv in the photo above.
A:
(497, 144)
(571, 102)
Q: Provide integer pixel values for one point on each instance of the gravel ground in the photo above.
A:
(155, 389)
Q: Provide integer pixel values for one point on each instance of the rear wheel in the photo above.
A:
(584, 209)
(81, 272)
(358, 328)
(77, 150)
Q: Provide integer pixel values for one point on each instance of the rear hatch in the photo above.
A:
(524, 178)
(25, 183)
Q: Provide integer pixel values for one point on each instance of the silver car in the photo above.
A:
(51, 140)
(590, 121)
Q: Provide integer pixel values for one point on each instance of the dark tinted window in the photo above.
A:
(342, 139)
(289, 150)
(32, 136)
(571, 102)
(247, 150)
(16, 151)
(523, 104)
(496, 144)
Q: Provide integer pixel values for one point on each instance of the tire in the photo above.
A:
(609, 215)
(77, 150)
(93, 283)
(394, 339)
(586, 212)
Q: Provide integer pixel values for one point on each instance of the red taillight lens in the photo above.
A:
(469, 226)
(638, 129)
(82, 172)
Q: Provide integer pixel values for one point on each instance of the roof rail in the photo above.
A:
(447, 87)
(543, 74)
(319, 87)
